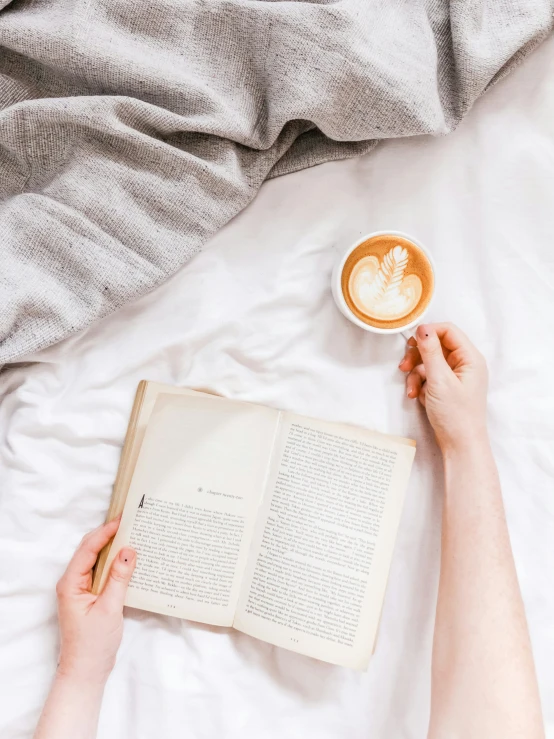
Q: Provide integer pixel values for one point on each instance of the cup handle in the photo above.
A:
(411, 334)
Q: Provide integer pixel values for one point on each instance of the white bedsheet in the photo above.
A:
(252, 318)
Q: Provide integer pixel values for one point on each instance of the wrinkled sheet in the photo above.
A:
(130, 132)
(252, 318)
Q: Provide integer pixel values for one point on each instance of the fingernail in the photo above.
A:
(127, 555)
(401, 363)
(409, 392)
(423, 331)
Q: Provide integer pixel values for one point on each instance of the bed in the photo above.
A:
(252, 318)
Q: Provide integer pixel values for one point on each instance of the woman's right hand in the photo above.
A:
(448, 375)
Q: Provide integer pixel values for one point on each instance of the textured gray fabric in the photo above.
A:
(130, 131)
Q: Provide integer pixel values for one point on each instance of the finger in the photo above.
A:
(453, 338)
(113, 596)
(411, 357)
(422, 397)
(430, 348)
(84, 558)
(415, 380)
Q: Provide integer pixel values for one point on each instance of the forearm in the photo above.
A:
(483, 682)
(71, 710)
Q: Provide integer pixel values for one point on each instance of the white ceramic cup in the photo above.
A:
(339, 297)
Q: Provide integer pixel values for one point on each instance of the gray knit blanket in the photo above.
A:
(130, 131)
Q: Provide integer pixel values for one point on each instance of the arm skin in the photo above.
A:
(483, 677)
(91, 627)
(483, 682)
(71, 711)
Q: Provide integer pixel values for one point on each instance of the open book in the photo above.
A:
(279, 525)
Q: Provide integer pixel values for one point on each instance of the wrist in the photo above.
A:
(473, 444)
(81, 678)
(469, 466)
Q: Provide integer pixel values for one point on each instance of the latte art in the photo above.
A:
(387, 281)
(382, 290)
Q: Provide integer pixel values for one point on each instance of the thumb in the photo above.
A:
(113, 595)
(430, 348)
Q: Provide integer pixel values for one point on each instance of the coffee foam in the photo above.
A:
(387, 281)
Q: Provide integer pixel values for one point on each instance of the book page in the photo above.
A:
(323, 542)
(145, 399)
(192, 504)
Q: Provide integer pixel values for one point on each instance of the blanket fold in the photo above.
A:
(130, 132)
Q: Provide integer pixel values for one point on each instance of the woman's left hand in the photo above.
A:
(91, 626)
